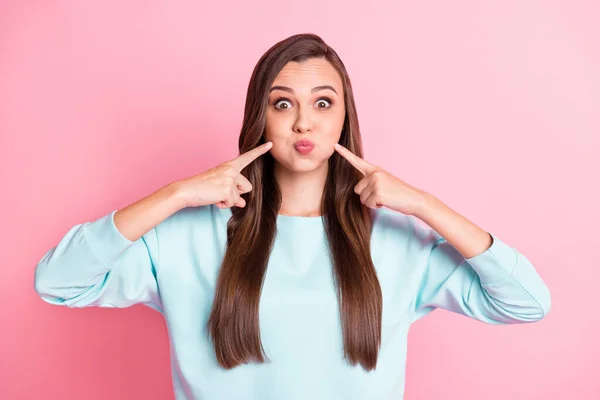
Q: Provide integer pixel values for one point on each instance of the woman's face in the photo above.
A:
(306, 101)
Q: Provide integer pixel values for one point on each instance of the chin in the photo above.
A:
(306, 168)
(302, 165)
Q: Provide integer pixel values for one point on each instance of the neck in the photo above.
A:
(301, 192)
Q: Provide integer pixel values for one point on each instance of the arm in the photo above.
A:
(109, 262)
(466, 237)
(472, 272)
(464, 269)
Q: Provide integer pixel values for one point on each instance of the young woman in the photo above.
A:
(295, 270)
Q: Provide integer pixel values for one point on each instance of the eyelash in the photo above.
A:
(288, 100)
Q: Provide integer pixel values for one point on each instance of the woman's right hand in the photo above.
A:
(223, 184)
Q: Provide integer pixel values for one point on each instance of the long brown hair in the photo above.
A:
(233, 322)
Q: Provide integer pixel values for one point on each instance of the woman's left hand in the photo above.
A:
(380, 188)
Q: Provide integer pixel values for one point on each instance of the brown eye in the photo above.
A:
(323, 101)
(283, 102)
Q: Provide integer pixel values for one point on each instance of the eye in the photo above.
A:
(324, 100)
(286, 102)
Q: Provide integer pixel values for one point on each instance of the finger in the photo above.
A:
(240, 203)
(241, 161)
(236, 198)
(372, 201)
(243, 184)
(362, 184)
(366, 193)
(360, 164)
(228, 201)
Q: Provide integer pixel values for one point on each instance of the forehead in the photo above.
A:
(305, 75)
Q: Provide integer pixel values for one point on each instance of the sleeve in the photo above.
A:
(497, 286)
(95, 265)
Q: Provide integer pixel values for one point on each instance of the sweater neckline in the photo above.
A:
(299, 221)
(294, 220)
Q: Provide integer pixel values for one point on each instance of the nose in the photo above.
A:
(303, 122)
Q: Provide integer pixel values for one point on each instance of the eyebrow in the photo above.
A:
(313, 90)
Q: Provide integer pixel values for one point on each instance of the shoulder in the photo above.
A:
(192, 232)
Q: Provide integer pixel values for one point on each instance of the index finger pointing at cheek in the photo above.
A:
(241, 161)
(360, 164)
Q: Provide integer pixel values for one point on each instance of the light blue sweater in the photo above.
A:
(173, 269)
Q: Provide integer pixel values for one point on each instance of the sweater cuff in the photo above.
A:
(106, 240)
(496, 263)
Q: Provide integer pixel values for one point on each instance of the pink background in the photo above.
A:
(491, 106)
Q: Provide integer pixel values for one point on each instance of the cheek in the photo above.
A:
(332, 127)
(273, 128)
